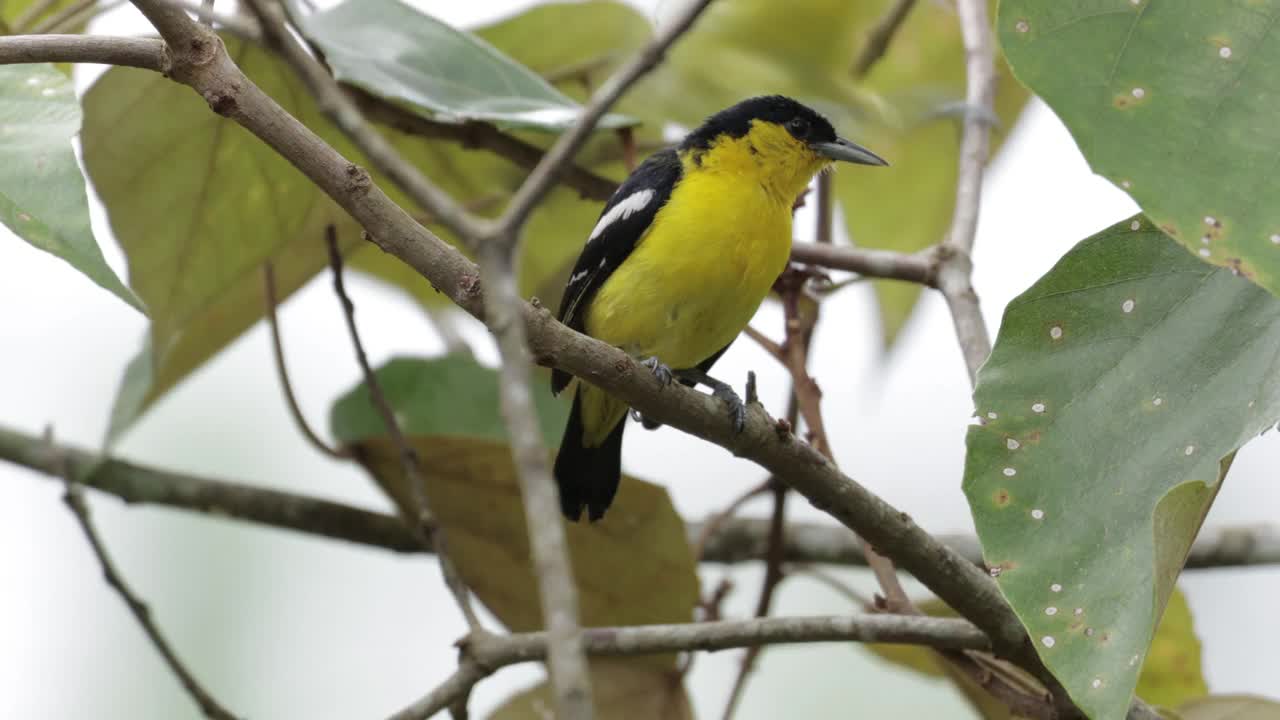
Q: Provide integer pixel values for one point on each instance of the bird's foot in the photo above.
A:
(723, 392)
(659, 369)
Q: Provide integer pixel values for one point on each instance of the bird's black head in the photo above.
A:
(803, 122)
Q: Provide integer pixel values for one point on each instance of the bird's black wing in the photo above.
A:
(622, 223)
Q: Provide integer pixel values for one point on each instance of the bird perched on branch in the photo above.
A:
(679, 261)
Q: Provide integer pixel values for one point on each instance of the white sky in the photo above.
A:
(279, 625)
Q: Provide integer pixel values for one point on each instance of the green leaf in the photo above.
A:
(42, 195)
(1230, 707)
(1175, 103)
(1171, 673)
(591, 39)
(449, 408)
(620, 690)
(1117, 384)
(451, 396)
(392, 50)
(199, 205)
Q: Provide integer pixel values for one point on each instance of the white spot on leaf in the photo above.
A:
(1138, 93)
(1189, 450)
(1224, 52)
(1037, 408)
(1055, 587)
(1048, 641)
(1275, 238)
(1022, 26)
(992, 416)
(1010, 472)
(1127, 305)
(1078, 612)
(1158, 401)
(1012, 444)
(1135, 225)
(1038, 514)
(1204, 252)
(1051, 611)
(1055, 332)
(1097, 683)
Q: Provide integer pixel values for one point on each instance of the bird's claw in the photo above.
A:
(737, 409)
(659, 369)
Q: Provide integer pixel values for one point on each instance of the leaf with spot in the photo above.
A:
(1175, 102)
(399, 53)
(1119, 388)
(42, 194)
(449, 408)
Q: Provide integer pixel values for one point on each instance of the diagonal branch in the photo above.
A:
(539, 182)
(880, 36)
(74, 498)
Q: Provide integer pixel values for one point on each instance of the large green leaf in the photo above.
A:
(397, 52)
(449, 408)
(42, 195)
(1117, 384)
(1172, 101)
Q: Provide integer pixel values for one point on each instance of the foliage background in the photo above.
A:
(282, 626)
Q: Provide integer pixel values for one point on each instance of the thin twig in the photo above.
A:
(282, 370)
(207, 17)
(773, 576)
(83, 17)
(880, 36)
(765, 342)
(955, 273)
(556, 589)
(544, 175)
(419, 519)
(713, 524)
(492, 652)
(832, 582)
(238, 25)
(917, 267)
(73, 496)
(145, 53)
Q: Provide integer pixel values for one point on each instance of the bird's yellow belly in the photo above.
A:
(698, 276)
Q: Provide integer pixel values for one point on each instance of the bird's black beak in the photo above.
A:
(844, 150)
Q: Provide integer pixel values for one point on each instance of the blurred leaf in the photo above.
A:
(397, 52)
(42, 195)
(14, 11)
(621, 691)
(449, 407)
(591, 38)
(1117, 384)
(1231, 707)
(1171, 672)
(199, 205)
(451, 395)
(1174, 102)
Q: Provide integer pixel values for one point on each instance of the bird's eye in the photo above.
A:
(798, 127)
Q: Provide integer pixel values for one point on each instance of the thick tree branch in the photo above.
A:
(74, 498)
(486, 654)
(727, 540)
(145, 53)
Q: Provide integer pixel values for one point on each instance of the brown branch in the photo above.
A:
(917, 268)
(488, 653)
(282, 370)
(73, 496)
(145, 53)
(418, 519)
(956, 269)
(880, 36)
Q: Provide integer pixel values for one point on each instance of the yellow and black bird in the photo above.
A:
(680, 259)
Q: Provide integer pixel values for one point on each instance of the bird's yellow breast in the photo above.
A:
(707, 261)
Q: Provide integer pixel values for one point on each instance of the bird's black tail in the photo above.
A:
(588, 476)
